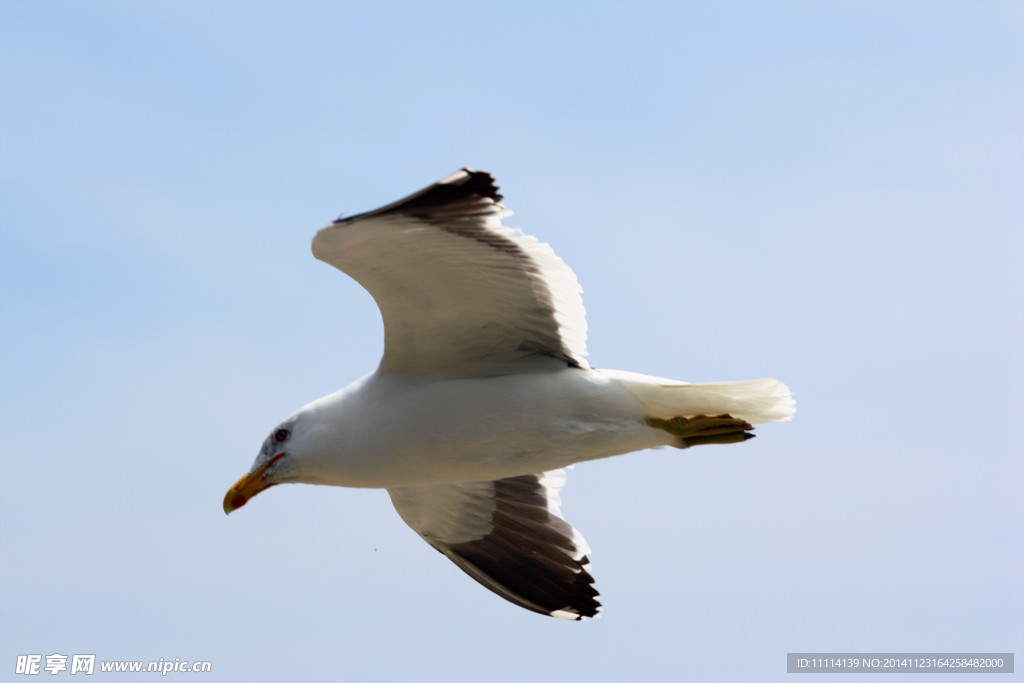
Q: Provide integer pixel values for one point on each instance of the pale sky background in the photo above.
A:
(831, 193)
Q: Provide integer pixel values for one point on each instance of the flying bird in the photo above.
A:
(484, 395)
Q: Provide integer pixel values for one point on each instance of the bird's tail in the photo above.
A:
(754, 401)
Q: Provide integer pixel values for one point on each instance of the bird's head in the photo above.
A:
(275, 464)
(310, 446)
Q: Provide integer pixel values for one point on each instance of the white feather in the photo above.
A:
(754, 400)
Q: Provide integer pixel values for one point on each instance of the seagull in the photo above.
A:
(484, 396)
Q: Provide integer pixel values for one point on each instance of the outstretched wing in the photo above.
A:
(460, 293)
(509, 535)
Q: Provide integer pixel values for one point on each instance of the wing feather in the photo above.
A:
(509, 536)
(460, 293)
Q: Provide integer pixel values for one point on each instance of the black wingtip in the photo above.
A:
(480, 183)
(460, 185)
(464, 184)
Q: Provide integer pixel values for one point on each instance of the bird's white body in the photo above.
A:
(394, 430)
(484, 394)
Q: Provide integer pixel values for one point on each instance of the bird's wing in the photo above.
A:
(509, 535)
(460, 293)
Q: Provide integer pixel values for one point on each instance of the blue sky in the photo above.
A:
(827, 193)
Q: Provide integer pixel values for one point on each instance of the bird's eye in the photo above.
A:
(281, 435)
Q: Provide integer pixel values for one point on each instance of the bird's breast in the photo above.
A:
(396, 431)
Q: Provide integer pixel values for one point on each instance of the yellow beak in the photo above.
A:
(248, 486)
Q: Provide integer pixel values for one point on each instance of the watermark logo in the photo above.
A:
(56, 663)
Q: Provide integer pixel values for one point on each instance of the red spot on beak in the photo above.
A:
(249, 485)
